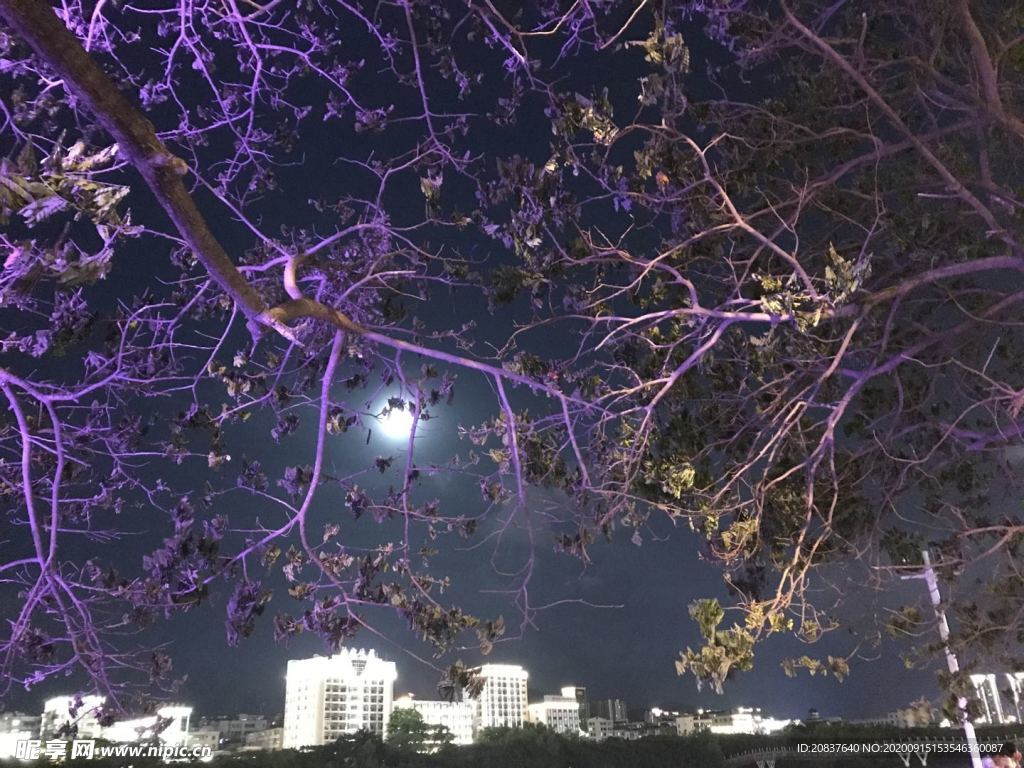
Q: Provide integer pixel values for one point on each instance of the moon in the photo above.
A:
(396, 424)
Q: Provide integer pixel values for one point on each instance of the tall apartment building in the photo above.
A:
(502, 701)
(326, 697)
(559, 713)
(456, 716)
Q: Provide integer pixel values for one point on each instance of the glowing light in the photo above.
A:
(396, 424)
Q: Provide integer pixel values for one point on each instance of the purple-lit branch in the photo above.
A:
(784, 322)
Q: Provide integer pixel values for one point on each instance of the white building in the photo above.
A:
(172, 722)
(326, 697)
(600, 728)
(502, 701)
(15, 727)
(987, 690)
(235, 729)
(739, 720)
(268, 738)
(1015, 681)
(61, 715)
(203, 738)
(559, 713)
(456, 716)
(580, 694)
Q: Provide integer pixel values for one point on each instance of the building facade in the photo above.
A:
(66, 714)
(326, 697)
(580, 694)
(456, 716)
(1015, 681)
(202, 738)
(559, 713)
(601, 728)
(999, 706)
(502, 700)
(170, 725)
(235, 729)
(739, 720)
(267, 739)
(15, 727)
(986, 689)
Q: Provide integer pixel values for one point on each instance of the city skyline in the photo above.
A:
(353, 691)
(995, 691)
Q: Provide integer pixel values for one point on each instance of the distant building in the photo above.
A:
(580, 694)
(739, 720)
(267, 739)
(661, 722)
(170, 725)
(609, 709)
(559, 713)
(16, 722)
(997, 709)
(1015, 680)
(202, 738)
(235, 729)
(601, 728)
(502, 701)
(986, 689)
(15, 727)
(66, 714)
(326, 697)
(659, 716)
(456, 716)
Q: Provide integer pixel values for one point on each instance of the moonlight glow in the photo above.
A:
(396, 424)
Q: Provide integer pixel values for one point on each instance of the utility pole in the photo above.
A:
(928, 574)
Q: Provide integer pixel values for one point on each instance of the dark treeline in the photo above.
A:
(498, 748)
(538, 747)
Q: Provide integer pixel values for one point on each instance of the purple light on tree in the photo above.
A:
(756, 271)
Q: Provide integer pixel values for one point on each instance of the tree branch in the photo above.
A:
(37, 24)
